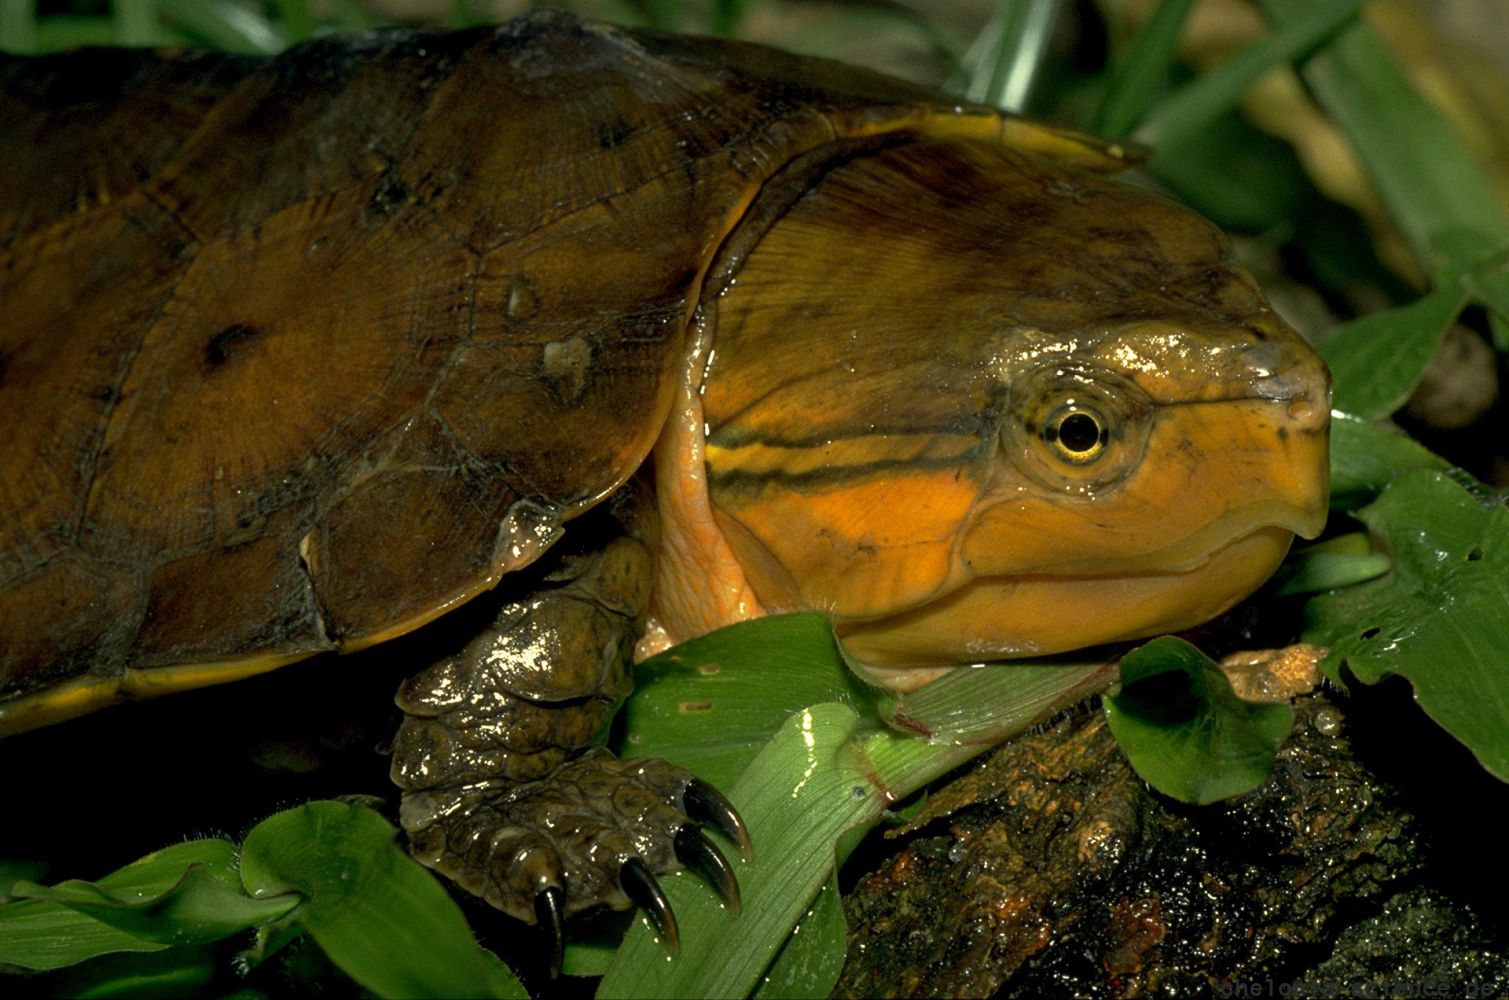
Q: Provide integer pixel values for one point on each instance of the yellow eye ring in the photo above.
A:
(1078, 434)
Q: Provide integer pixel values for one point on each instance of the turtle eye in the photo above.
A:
(1078, 434)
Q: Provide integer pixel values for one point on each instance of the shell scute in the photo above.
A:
(361, 325)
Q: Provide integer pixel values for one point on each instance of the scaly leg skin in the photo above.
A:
(502, 790)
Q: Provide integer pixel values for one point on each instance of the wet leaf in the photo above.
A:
(379, 916)
(1365, 458)
(187, 892)
(1191, 109)
(1342, 561)
(1183, 729)
(809, 963)
(1376, 360)
(826, 770)
(711, 703)
(1440, 618)
(800, 794)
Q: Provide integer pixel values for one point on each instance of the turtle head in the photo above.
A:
(1057, 418)
(1145, 482)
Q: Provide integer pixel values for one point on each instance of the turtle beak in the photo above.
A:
(1290, 390)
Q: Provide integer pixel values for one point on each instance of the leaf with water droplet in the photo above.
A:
(1440, 618)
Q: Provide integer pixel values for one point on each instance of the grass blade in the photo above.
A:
(1423, 172)
(1142, 71)
(1196, 105)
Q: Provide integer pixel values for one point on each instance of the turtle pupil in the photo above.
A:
(1079, 432)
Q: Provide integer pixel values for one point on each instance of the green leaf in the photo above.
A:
(1421, 168)
(1365, 458)
(1002, 65)
(205, 904)
(712, 703)
(379, 916)
(1489, 284)
(827, 770)
(810, 961)
(57, 34)
(18, 26)
(225, 25)
(1190, 110)
(805, 789)
(1235, 175)
(173, 895)
(135, 22)
(1183, 729)
(953, 709)
(1141, 72)
(1376, 360)
(297, 19)
(175, 972)
(1343, 561)
(1441, 618)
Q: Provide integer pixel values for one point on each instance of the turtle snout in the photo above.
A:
(1289, 370)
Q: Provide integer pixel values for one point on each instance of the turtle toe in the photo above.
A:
(593, 834)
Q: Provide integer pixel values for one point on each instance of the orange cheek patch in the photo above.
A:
(857, 550)
(995, 618)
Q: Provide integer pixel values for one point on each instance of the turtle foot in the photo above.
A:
(594, 833)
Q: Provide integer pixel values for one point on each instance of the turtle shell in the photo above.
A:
(298, 353)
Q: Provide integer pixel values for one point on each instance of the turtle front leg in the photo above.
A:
(503, 791)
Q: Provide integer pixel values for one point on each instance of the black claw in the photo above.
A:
(640, 886)
(704, 803)
(547, 912)
(702, 855)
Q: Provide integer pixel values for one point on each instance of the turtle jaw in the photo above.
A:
(1226, 485)
(998, 618)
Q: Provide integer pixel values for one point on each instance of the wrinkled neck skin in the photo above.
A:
(700, 585)
(974, 405)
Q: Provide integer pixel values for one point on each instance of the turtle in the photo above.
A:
(300, 353)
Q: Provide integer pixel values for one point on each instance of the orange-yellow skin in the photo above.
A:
(882, 458)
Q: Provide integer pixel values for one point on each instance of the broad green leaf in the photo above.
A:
(76, 921)
(711, 703)
(13, 870)
(1441, 618)
(1422, 170)
(810, 962)
(174, 972)
(1237, 176)
(18, 26)
(1376, 360)
(205, 904)
(828, 770)
(298, 20)
(1365, 458)
(57, 34)
(379, 916)
(808, 786)
(591, 956)
(135, 22)
(1183, 729)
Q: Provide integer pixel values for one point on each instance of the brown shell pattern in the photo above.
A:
(298, 353)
